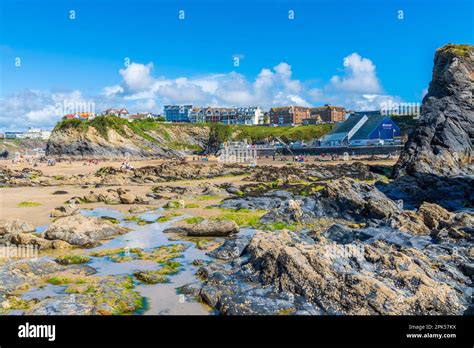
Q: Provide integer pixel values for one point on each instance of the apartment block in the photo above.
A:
(289, 115)
(235, 115)
(329, 113)
(177, 113)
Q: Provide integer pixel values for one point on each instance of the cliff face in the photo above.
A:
(442, 142)
(77, 142)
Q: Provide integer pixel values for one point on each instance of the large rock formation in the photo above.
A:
(363, 279)
(442, 143)
(111, 138)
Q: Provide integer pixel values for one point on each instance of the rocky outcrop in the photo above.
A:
(64, 210)
(348, 199)
(112, 196)
(172, 171)
(310, 172)
(25, 239)
(442, 144)
(113, 138)
(83, 231)
(376, 278)
(13, 226)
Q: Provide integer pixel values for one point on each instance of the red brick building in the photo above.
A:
(289, 115)
(329, 113)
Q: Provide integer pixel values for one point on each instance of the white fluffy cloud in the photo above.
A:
(270, 87)
(356, 86)
(38, 108)
(137, 77)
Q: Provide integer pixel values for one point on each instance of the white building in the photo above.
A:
(34, 133)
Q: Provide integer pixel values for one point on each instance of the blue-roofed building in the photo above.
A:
(360, 130)
(177, 113)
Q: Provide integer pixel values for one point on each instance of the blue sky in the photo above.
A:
(282, 61)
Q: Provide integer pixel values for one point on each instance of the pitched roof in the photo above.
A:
(368, 127)
(334, 136)
(347, 125)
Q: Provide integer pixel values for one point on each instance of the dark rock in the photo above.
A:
(231, 249)
(442, 142)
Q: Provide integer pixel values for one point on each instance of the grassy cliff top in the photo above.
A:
(146, 127)
(457, 49)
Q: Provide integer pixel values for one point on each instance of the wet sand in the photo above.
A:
(10, 198)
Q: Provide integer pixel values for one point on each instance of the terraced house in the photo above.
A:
(251, 115)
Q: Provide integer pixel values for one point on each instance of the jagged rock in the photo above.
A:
(344, 235)
(431, 219)
(442, 144)
(82, 231)
(289, 211)
(348, 199)
(12, 226)
(372, 279)
(310, 172)
(128, 198)
(64, 210)
(452, 193)
(41, 243)
(231, 249)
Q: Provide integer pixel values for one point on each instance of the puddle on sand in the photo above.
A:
(162, 298)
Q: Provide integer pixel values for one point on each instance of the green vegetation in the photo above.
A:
(202, 244)
(65, 280)
(18, 303)
(276, 226)
(194, 220)
(176, 145)
(158, 276)
(207, 198)
(163, 219)
(108, 295)
(221, 133)
(28, 204)
(242, 218)
(138, 220)
(111, 219)
(191, 205)
(457, 49)
(161, 254)
(72, 259)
